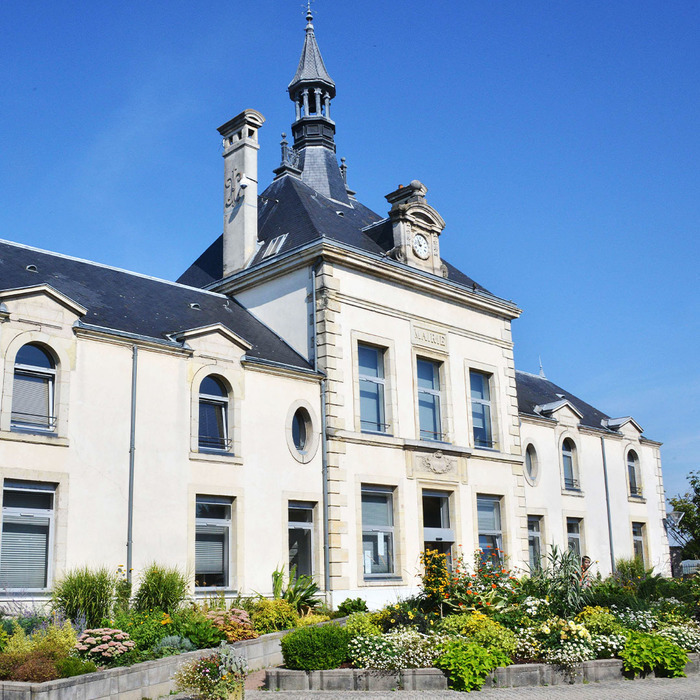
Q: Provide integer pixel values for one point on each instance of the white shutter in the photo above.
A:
(25, 548)
(210, 549)
(30, 400)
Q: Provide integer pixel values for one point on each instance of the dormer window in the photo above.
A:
(274, 246)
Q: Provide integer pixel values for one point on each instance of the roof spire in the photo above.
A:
(309, 16)
(542, 374)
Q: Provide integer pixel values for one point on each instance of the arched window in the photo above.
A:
(33, 389)
(213, 416)
(568, 460)
(633, 473)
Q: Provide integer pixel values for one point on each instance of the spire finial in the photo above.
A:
(541, 369)
(309, 15)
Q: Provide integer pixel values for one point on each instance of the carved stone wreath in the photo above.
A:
(438, 463)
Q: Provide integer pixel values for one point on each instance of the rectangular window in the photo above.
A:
(437, 533)
(534, 541)
(489, 520)
(480, 385)
(372, 389)
(573, 535)
(638, 540)
(377, 531)
(301, 538)
(27, 533)
(429, 400)
(212, 541)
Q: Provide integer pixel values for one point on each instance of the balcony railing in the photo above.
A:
(433, 437)
(210, 443)
(33, 421)
(370, 426)
(636, 491)
(572, 484)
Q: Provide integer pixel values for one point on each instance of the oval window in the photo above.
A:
(300, 423)
(531, 464)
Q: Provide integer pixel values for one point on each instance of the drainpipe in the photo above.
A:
(607, 504)
(324, 443)
(132, 449)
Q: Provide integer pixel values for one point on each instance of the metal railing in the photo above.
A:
(434, 437)
(214, 444)
(33, 421)
(572, 484)
(370, 426)
(636, 491)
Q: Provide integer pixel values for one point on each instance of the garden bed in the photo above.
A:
(144, 680)
(514, 676)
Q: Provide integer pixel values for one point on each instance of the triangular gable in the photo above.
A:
(549, 408)
(219, 328)
(47, 290)
(619, 423)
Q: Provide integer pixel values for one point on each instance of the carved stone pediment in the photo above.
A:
(438, 463)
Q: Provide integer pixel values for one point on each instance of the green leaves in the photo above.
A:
(644, 653)
(467, 664)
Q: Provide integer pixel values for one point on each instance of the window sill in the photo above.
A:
(382, 581)
(221, 458)
(36, 438)
(636, 499)
(576, 493)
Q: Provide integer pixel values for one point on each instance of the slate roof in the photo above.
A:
(311, 67)
(131, 303)
(290, 206)
(534, 390)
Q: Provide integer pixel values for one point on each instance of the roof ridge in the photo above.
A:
(109, 267)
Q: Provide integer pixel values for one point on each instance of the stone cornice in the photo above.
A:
(370, 264)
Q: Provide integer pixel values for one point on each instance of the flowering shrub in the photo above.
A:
(640, 620)
(273, 615)
(312, 619)
(234, 623)
(213, 677)
(401, 648)
(569, 654)
(685, 636)
(535, 607)
(607, 646)
(598, 620)
(103, 643)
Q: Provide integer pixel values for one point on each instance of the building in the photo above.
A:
(320, 389)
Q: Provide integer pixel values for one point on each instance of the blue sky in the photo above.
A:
(559, 140)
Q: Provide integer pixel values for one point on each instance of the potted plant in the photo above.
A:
(220, 676)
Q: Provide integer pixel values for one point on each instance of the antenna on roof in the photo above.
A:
(541, 368)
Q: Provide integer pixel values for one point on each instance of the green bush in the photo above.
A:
(467, 664)
(72, 666)
(161, 588)
(84, 591)
(273, 615)
(173, 644)
(598, 620)
(144, 629)
(352, 605)
(197, 627)
(644, 653)
(360, 624)
(482, 630)
(315, 648)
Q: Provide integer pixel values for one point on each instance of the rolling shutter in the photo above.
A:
(25, 551)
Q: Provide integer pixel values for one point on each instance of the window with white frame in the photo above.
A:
(633, 474)
(213, 416)
(638, 541)
(534, 541)
(438, 535)
(378, 531)
(33, 392)
(569, 465)
(212, 545)
(429, 399)
(301, 538)
(370, 361)
(480, 388)
(574, 535)
(490, 534)
(27, 535)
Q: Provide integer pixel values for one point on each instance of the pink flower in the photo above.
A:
(90, 640)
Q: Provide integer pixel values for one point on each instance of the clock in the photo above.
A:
(421, 247)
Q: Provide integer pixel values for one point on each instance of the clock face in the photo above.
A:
(421, 246)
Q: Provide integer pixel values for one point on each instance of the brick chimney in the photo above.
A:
(240, 136)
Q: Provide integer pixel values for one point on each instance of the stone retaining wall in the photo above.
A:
(149, 679)
(517, 675)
